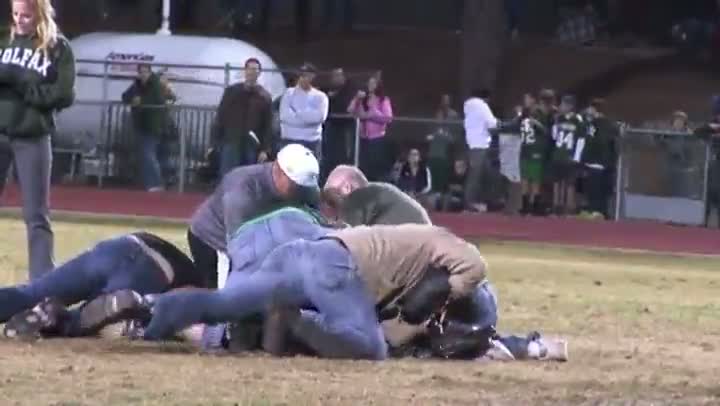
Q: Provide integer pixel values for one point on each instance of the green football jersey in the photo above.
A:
(534, 138)
(569, 134)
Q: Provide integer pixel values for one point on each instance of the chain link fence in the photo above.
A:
(663, 175)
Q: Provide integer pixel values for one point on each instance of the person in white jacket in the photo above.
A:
(479, 120)
(303, 111)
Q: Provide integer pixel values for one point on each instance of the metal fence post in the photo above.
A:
(356, 157)
(706, 181)
(227, 74)
(619, 190)
(104, 120)
(182, 162)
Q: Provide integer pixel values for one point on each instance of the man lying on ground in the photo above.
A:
(139, 262)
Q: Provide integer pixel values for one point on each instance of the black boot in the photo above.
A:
(110, 308)
(45, 319)
(456, 340)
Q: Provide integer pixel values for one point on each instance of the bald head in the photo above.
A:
(346, 175)
(341, 182)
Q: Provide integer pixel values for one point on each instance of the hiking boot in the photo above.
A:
(30, 324)
(111, 308)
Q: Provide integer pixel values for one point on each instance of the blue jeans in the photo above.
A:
(233, 155)
(319, 274)
(111, 265)
(150, 170)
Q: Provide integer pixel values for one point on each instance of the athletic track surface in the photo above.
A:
(627, 235)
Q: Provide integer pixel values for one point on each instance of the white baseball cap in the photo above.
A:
(300, 165)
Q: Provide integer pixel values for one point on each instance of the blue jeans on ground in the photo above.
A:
(150, 169)
(111, 265)
(233, 155)
(319, 274)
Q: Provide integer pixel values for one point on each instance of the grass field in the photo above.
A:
(643, 329)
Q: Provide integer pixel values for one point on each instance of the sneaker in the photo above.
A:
(111, 308)
(549, 349)
(29, 324)
(276, 329)
(546, 349)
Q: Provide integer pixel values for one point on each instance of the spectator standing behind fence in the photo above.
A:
(568, 133)
(338, 136)
(599, 159)
(415, 178)
(441, 142)
(374, 110)
(243, 123)
(35, 83)
(171, 136)
(479, 120)
(682, 167)
(147, 97)
(303, 111)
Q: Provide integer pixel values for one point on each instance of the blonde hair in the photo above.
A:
(45, 26)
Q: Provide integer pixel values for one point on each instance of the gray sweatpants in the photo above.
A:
(477, 176)
(33, 161)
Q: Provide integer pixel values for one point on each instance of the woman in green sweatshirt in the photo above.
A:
(37, 77)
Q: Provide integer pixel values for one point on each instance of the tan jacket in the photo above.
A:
(392, 259)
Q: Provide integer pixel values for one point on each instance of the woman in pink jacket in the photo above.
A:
(374, 110)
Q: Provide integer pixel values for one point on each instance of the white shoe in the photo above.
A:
(548, 349)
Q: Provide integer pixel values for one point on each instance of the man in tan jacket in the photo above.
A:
(348, 278)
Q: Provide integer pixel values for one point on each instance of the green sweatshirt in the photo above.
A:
(33, 85)
(381, 203)
(148, 117)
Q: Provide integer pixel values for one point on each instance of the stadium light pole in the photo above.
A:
(165, 25)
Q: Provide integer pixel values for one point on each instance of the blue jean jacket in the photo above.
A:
(250, 244)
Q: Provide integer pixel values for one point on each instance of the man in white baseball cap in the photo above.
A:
(244, 193)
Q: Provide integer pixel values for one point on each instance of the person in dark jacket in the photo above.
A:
(148, 97)
(37, 79)
(244, 121)
(338, 133)
(600, 157)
